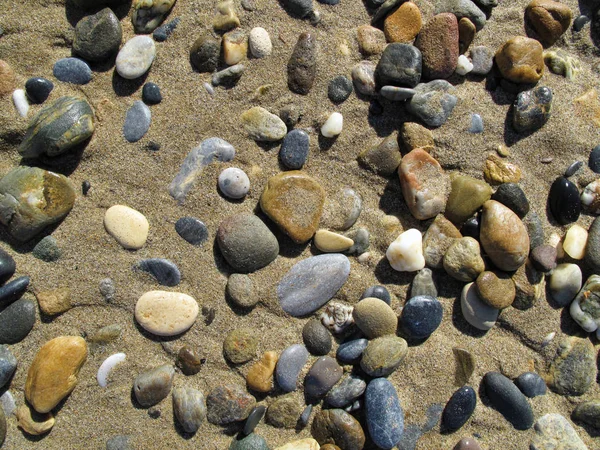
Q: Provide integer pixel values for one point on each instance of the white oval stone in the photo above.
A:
(260, 42)
(330, 242)
(575, 242)
(405, 254)
(128, 226)
(463, 65)
(136, 56)
(166, 313)
(475, 311)
(234, 183)
(333, 125)
(20, 101)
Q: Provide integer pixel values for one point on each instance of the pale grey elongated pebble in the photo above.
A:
(289, 365)
(7, 402)
(21, 103)
(228, 75)
(137, 121)
(209, 88)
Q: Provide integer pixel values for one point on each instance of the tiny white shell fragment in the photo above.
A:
(548, 339)
(107, 366)
(21, 103)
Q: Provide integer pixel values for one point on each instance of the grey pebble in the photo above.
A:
(482, 59)
(476, 126)
(573, 168)
(508, 400)
(512, 196)
(249, 442)
(433, 102)
(350, 351)
(462, 8)
(305, 416)
(377, 291)
(254, 419)
(163, 32)
(98, 36)
(385, 418)
(107, 289)
(13, 291)
(349, 389)
(294, 149)
(241, 290)
(396, 94)
(300, 8)
(399, 65)
(189, 408)
(228, 76)
(137, 121)
(17, 320)
(321, 377)
(531, 384)
(164, 271)
(8, 365)
(192, 230)
(361, 238)
(151, 94)
(47, 249)
(289, 365)
(423, 284)
(72, 70)
(316, 337)
(118, 443)
(153, 385)
(532, 109)
(580, 22)
(339, 89)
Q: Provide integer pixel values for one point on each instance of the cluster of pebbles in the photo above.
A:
(481, 233)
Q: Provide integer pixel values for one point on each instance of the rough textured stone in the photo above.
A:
(463, 260)
(573, 370)
(371, 40)
(549, 19)
(189, 408)
(54, 302)
(520, 60)
(497, 291)
(7, 78)
(433, 102)
(399, 65)
(438, 43)
(375, 318)
(438, 238)
(240, 345)
(588, 412)
(336, 426)
(302, 66)
(316, 337)
(384, 158)
(98, 36)
(497, 170)
(204, 53)
(553, 431)
(383, 355)
(483, 60)
(284, 412)
(229, 403)
(241, 290)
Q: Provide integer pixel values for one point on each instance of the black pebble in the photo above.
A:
(531, 384)
(317, 338)
(151, 94)
(471, 227)
(165, 271)
(192, 230)
(7, 266)
(13, 291)
(253, 419)
(512, 196)
(164, 31)
(85, 187)
(573, 168)
(153, 146)
(379, 292)
(594, 161)
(38, 89)
(339, 89)
(508, 400)
(16, 321)
(459, 408)
(580, 22)
(565, 203)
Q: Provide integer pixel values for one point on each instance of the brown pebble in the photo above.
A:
(549, 19)
(498, 171)
(496, 291)
(466, 34)
(404, 24)
(438, 42)
(467, 444)
(521, 60)
(188, 360)
(414, 135)
(7, 78)
(302, 66)
(371, 40)
(54, 302)
(32, 422)
(260, 375)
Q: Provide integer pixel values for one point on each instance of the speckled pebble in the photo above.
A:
(72, 70)
(234, 183)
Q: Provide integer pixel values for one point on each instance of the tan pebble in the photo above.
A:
(54, 302)
(226, 18)
(375, 318)
(498, 291)
(404, 24)
(414, 135)
(166, 313)
(128, 226)
(549, 19)
(260, 375)
(371, 40)
(7, 78)
(344, 49)
(302, 444)
(503, 150)
(466, 34)
(235, 47)
(587, 106)
(521, 60)
(575, 242)
(497, 171)
(330, 242)
(32, 422)
(53, 372)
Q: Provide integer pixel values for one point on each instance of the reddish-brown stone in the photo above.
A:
(438, 42)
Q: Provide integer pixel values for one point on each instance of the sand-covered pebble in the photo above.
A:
(260, 42)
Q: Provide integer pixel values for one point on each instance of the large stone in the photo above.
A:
(438, 42)
(399, 65)
(549, 19)
(467, 195)
(385, 418)
(521, 60)
(336, 426)
(508, 400)
(554, 432)
(404, 24)
(375, 318)
(98, 37)
(573, 370)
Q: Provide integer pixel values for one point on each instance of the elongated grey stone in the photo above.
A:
(289, 365)
(228, 75)
(137, 121)
(163, 270)
(8, 365)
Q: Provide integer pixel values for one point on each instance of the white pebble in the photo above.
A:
(128, 226)
(405, 254)
(21, 103)
(260, 42)
(8, 403)
(575, 242)
(463, 66)
(106, 367)
(333, 126)
(234, 183)
(209, 88)
(135, 57)
(548, 339)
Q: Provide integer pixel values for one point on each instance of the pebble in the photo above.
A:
(229, 403)
(105, 334)
(192, 230)
(294, 149)
(361, 238)
(384, 415)
(363, 77)
(151, 94)
(564, 201)
(371, 40)
(234, 183)
(462, 8)
(498, 171)
(3, 426)
(128, 226)
(483, 60)
(573, 370)
(14, 290)
(8, 80)
(399, 65)
(350, 388)
(531, 384)
(467, 195)
(396, 94)
(261, 125)
(38, 89)
(573, 168)
(377, 291)
(291, 114)
(333, 125)
(98, 36)
(543, 258)
(163, 32)
(321, 377)
(585, 309)
(375, 318)
(135, 57)
(520, 60)
(316, 337)
(383, 356)
(588, 412)
(549, 19)
(58, 127)
(119, 442)
(553, 431)
(580, 22)
(590, 197)
(535, 229)
(189, 407)
(33, 423)
(47, 249)
(241, 290)
(148, 14)
(20, 101)
(575, 241)
(53, 372)
(592, 253)
(336, 426)
(341, 211)
(289, 365)
(85, 187)
(508, 400)
(475, 311)
(54, 302)
(154, 385)
(433, 102)
(226, 18)
(424, 183)
(496, 290)
(561, 63)
(339, 89)
(404, 24)
(166, 313)
(466, 34)
(235, 47)
(438, 238)
(463, 65)
(259, 42)
(72, 70)
(107, 289)
(17, 320)
(350, 351)
(531, 109)
(137, 121)
(260, 374)
(188, 361)
(438, 43)
(421, 316)
(459, 408)
(284, 412)
(512, 196)
(305, 416)
(302, 65)
(8, 365)
(423, 284)
(250, 442)
(107, 366)
(254, 419)
(240, 345)
(164, 271)
(204, 53)
(246, 242)
(467, 444)
(405, 254)
(299, 8)
(476, 126)
(7, 403)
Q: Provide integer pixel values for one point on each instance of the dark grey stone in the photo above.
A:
(512, 196)
(459, 408)
(13, 291)
(98, 36)
(38, 89)
(377, 291)
(535, 230)
(508, 400)
(350, 352)
(85, 187)
(321, 377)
(16, 321)
(471, 227)
(421, 316)
(151, 94)
(399, 65)
(564, 200)
(592, 250)
(362, 241)
(580, 22)
(192, 230)
(253, 419)
(316, 337)
(396, 94)
(349, 389)
(300, 8)
(531, 384)
(72, 70)
(594, 161)
(204, 54)
(339, 88)
(289, 365)
(7, 267)
(305, 416)
(384, 415)
(164, 271)
(47, 249)
(462, 8)
(8, 365)
(294, 149)
(163, 32)
(433, 102)
(573, 168)
(532, 109)
(137, 121)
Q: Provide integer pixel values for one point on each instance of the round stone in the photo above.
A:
(565, 203)
(399, 65)
(459, 408)
(128, 226)
(467, 195)
(520, 60)
(204, 53)
(375, 318)
(339, 89)
(38, 89)
(549, 19)
(72, 70)
(531, 384)
(338, 427)
(532, 109)
(135, 57)
(17, 320)
(333, 125)
(575, 241)
(284, 412)
(192, 230)
(229, 403)
(511, 195)
(371, 40)
(497, 291)
(98, 36)
(189, 407)
(467, 444)
(377, 291)
(316, 337)
(294, 149)
(421, 316)
(289, 365)
(438, 43)
(508, 400)
(166, 313)
(234, 183)
(47, 249)
(240, 345)
(383, 355)
(475, 311)
(137, 121)
(404, 24)
(351, 351)
(151, 94)
(385, 418)
(152, 386)
(565, 282)
(241, 290)
(321, 377)
(463, 260)
(259, 42)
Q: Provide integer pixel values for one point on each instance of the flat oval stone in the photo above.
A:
(166, 313)
(312, 282)
(351, 351)
(189, 408)
(289, 365)
(254, 418)
(316, 337)
(163, 270)
(531, 384)
(72, 70)
(508, 400)
(564, 200)
(399, 65)
(188, 360)
(14, 290)
(322, 376)
(229, 403)
(294, 149)
(98, 36)
(8, 365)
(137, 121)
(58, 127)
(338, 427)
(459, 408)
(375, 318)
(38, 89)
(339, 89)
(16, 321)
(152, 386)
(302, 65)
(421, 316)
(128, 226)
(53, 372)
(349, 389)
(396, 94)
(135, 57)
(385, 418)
(383, 355)
(192, 230)
(263, 126)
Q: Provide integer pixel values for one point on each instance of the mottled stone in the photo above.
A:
(188, 361)
(498, 171)
(47, 249)
(204, 53)
(8, 80)
(229, 403)
(261, 125)
(371, 40)
(250, 442)
(135, 57)
(363, 77)
(241, 290)
(573, 370)
(55, 301)
(240, 345)
(260, 374)
(72, 70)
(336, 426)
(404, 24)
(433, 102)
(294, 149)
(462, 8)
(302, 66)
(385, 418)
(438, 238)
(152, 386)
(421, 316)
(459, 408)
(520, 60)
(588, 412)
(189, 408)
(339, 89)
(438, 43)
(553, 431)
(467, 195)
(349, 389)
(483, 60)
(383, 355)
(316, 337)
(226, 17)
(384, 158)
(532, 109)
(148, 14)
(98, 36)
(8, 365)
(284, 412)
(375, 318)
(423, 284)
(341, 211)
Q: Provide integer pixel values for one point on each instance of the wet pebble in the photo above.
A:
(164, 271)
(72, 70)
(384, 415)
(289, 365)
(511, 195)
(234, 183)
(321, 377)
(520, 60)
(254, 419)
(316, 337)
(135, 57)
(349, 389)
(192, 230)
(565, 203)
(531, 384)
(580, 22)
(421, 316)
(459, 408)
(151, 94)
(229, 403)
(349, 352)
(137, 121)
(467, 444)
(508, 400)
(17, 320)
(8, 365)
(38, 89)
(339, 89)
(594, 159)
(189, 407)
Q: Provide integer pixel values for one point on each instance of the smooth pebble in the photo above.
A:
(137, 121)
(234, 183)
(166, 313)
(135, 57)
(128, 226)
(72, 70)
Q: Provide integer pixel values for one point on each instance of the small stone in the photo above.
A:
(520, 60)
(166, 313)
(85, 187)
(573, 370)
(544, 258)
(383, 355)
(339, 89)
(226, 18)
(47, 249)
(291, 114)
(20, 101)
(483, 60)
(284, 412)
(467, 195)
(575, 241)
(148, 14)
(32, 422)
(553, 431)
(466, 34)
(399, 65)
(580, 22)
(396, 94)
(508, 400)
(128, 226)
(592, 255)
(475, 311)
(137, 121)
(349, 389)
(465, 365)
(321, 377)
(229, 403)
(363, 77)
(253, 420)
(531, 384)
(107, 289)
(361, 238)
(476, 126)
(163, 32)
(53, 372)
(549, 19)
(467, 444)
(205, 52)
(585, 309)
(463, 65)
(462, 8)
(438, 43)
(259, 42)
(105, 334)
(375, 318)
(532, 109)
(98, 36)
(423, 284)
(250, 441)
(333, 125)
(384, 415)
(152, 386)
(164, 271)
(338, 427)
(240, 345)
(383, 159)
(72, 70)
(528, 286)
(433, 102)
(135, 57)
(459, 408)
(235, 47)
(260, 375)
(188, 361)
(289, 365)
(496, 291)
(404, 24)
(294, 149)
(405, 254)
(189, 407)
(421, 316)
(564, 200)
(8, 365)
(246, 242)
(234, 183)
(54, 302)
(535, 230)
(561, 63)
(38, 89)
(316, 337)
(13, 291)
(261, 125)
(371, 40)
(511, 195)
(498, 171)
(8, 80)
(151, 94)
(302, 66)
(377, 291)
(16, 321)
(573, 168)
(299, 8)
(351, 351)
(462, 260)
(241, 290)
(438, 238)
(588, 412)
(330, 242)
(192, 230)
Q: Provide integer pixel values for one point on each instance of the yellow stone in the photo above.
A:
(128, 226)
(260, 375)
(302, 444)
(235, 47)
(404, 24)
(54, 302)
(32, 422)
(575, 242)
(498, 171)
(330, 242)
(53, 372)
